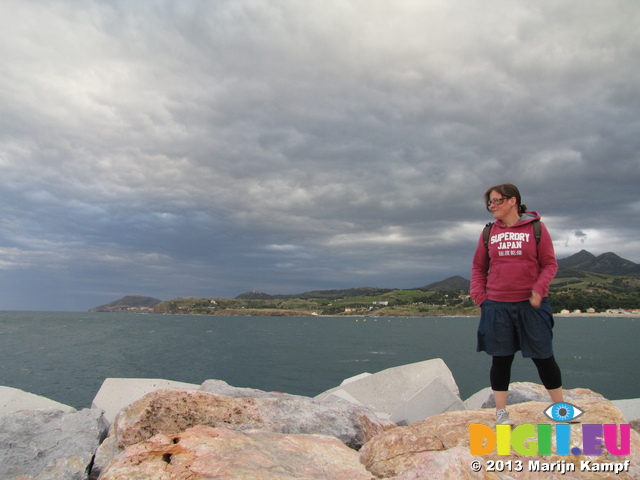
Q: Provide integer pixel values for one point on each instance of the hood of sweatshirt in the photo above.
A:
(526, 217)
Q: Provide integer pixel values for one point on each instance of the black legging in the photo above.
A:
(500, 373)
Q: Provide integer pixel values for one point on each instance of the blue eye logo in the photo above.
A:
(563, 412)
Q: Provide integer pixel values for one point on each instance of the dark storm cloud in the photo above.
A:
(210, 148)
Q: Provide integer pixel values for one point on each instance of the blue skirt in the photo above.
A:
(506, 327)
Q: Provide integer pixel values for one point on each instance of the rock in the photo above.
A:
(49, 444)
(630, 408)
(117, 393)
(171, 411)
(220, 387)
(521, 392)
(403, 394)
(106, 452)
(454, 465)
(403, 447)
(13, 400)
(438, 447)
(207, 452)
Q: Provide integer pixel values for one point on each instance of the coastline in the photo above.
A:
(602, 315)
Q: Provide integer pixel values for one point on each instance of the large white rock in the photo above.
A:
(404, 394)
(13, 400)
(117, 393)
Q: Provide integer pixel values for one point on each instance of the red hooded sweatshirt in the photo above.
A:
(517, 263)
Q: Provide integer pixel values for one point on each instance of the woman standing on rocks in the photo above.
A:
(510, 281)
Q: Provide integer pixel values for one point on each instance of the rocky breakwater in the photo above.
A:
(215, 430)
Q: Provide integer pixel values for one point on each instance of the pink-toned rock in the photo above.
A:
(225, 454)
(402, 448)
(438, 447)
(454, 464)
(173, 410)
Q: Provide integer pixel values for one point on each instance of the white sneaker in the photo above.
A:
(502, 417)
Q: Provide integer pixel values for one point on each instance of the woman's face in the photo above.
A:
(501, 206)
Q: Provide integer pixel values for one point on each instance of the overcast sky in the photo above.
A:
(210, 148)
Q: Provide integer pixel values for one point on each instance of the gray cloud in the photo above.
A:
(210, 148)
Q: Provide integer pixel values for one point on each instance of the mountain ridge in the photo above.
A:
(573, 266)
(608, 263)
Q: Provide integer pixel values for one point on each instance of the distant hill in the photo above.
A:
(608, 263)
(255, 295)
(330, 294)
(129, 303)
(451, 284)
(455, 283)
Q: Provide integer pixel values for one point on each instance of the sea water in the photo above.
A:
(66, 356)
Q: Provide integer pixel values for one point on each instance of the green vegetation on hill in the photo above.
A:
(570, 290)
(584, 281)
(379, 302)
(579, 290)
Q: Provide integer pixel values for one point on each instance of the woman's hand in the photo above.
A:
(536, 299)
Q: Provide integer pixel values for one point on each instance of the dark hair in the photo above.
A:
(506, 190)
